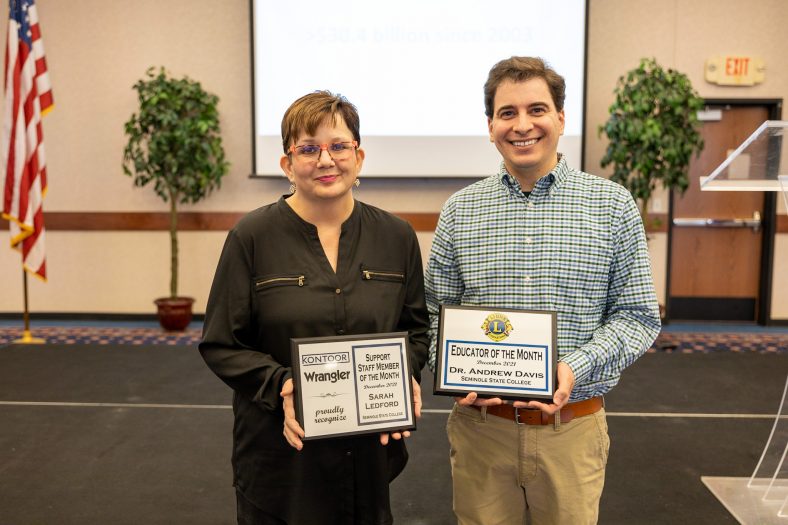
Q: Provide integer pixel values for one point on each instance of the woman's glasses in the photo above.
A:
(336, 150)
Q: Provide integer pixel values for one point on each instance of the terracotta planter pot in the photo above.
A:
(175, 313)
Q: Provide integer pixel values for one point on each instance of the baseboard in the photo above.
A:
(711, 309)
(87, 316)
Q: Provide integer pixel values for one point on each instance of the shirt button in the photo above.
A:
(338, 291)
(340, 332)
(531, 204)
(349, 453)
(528, 240)
(527, 279)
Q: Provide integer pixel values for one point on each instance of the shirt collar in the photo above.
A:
(555, 178)
(350, 222)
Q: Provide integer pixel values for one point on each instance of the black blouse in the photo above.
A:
(273, 283)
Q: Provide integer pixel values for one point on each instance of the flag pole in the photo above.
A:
(27, 336)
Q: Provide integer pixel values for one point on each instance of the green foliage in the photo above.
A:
(653, 130)
(174, 142)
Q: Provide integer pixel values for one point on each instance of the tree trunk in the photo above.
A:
(173, 246)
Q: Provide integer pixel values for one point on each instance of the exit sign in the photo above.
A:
(734, 70)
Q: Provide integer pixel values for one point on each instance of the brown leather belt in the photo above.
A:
(534, 416)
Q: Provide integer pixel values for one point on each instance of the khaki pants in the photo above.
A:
(509, 474)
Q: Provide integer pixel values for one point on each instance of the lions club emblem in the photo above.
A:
(497, 327)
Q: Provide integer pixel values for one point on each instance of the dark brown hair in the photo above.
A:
(309, 112)
(520, 69)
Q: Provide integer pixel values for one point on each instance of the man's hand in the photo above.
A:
(292, 430)
(566, 382)
(384, 436)
(473, 399)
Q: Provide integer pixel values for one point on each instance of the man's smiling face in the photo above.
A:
(525, 128)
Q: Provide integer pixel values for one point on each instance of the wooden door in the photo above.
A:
(715, 271)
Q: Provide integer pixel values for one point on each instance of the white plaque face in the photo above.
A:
(352, 384)
(503, 353)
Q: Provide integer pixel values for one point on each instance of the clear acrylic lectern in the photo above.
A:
(759, 164)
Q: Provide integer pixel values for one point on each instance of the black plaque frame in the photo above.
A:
(408, 422)
(443, 387)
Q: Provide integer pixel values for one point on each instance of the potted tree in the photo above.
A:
(174, 142)
(653, 131)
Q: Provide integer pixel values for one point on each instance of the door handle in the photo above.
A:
(754, 223)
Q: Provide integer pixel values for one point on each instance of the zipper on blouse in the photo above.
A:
(371, 274)
(281, 280)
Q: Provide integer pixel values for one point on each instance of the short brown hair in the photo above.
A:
(309, 112)
(520, 69)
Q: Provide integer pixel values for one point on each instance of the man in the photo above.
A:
(541, 235)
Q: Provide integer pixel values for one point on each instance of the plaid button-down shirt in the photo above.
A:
(576, 245)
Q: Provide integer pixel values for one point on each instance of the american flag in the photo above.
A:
(28, 96)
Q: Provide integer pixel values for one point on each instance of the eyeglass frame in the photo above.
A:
(323, 147)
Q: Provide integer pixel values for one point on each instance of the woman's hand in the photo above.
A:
(292, 430)
(384, 436)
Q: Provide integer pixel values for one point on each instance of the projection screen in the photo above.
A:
(415, 69)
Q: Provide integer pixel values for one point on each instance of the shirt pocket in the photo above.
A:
(272, 281)
(279, 299)
(384, 286)
(391, 276)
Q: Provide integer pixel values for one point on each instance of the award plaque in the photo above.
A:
(496, 352)
(352, 384)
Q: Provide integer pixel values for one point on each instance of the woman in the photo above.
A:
(315, 263)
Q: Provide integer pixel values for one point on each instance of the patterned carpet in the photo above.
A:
(709, 342)
(105, 335)
(697, 340)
